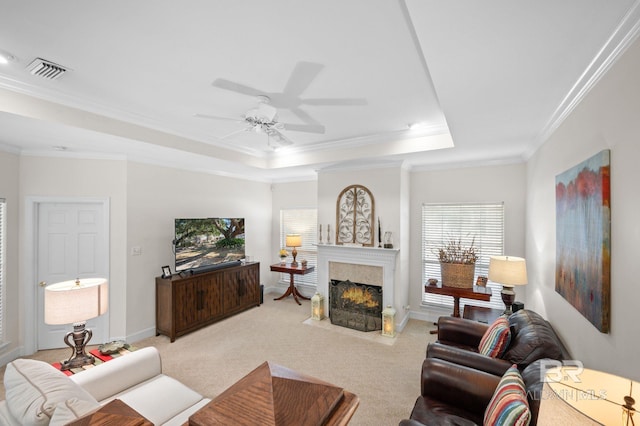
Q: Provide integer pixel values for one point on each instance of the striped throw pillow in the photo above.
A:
(496, 339)
(508, 405)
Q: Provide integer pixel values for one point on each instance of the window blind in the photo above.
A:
(482, 223)
(3, 228)
(305, 223)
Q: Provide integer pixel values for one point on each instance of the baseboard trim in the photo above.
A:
(140, 335)
(6, 358)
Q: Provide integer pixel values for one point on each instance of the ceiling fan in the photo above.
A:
(303, 74)
(264, 119)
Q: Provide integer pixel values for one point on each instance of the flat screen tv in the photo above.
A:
(208, 243)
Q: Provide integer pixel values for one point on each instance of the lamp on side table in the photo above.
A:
(294, 240)
(508, 271)
(76, 302)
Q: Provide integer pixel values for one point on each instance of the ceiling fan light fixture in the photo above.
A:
(6, 57)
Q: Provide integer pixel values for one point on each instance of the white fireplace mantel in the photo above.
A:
(371, 256)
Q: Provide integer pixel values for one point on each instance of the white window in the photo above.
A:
(305, 223)
(482, 223)
(3, 228)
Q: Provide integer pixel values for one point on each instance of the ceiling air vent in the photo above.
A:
(46, 69)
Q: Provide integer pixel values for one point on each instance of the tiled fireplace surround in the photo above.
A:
(365, 265)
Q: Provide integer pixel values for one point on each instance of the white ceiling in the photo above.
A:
(491, 79)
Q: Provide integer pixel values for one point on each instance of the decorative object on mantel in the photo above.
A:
(458, 263)
(389, 321)
(355, 215)
(508, 271)
(328, 234)
(388, 240)
(317, 307)
(294, 240)
(583, 238)
(379, 233)
(320, 234)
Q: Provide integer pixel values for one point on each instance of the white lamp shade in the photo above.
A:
(69, 302)
(294, 240)
(508, 270)
(590, 394)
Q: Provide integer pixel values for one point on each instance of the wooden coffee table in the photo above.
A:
(274, 395)
(115, 412)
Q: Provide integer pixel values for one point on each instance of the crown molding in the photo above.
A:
(623, 36)
(361, 165)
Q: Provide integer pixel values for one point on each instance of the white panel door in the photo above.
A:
(72, 243)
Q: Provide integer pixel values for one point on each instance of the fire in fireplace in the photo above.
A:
(354, 305)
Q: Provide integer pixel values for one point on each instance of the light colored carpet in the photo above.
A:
(384, 376)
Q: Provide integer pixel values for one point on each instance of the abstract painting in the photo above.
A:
(583, 244)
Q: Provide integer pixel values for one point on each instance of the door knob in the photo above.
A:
(42, 283)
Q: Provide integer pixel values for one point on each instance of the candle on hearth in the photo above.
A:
(317, 307)
(388, 321)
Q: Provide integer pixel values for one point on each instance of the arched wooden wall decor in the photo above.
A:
(355, 215)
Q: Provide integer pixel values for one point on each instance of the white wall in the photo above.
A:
(607, 118)
(9, 173)
(479, 184)
(158, 195)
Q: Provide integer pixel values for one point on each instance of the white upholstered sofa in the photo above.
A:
(38, 394)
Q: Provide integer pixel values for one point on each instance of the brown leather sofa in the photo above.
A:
(532, 338)
(457, 382)
(453, 394)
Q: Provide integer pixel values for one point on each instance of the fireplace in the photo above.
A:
(371, 265)
(355, 305)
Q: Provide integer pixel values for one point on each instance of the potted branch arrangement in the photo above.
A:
(458, 263)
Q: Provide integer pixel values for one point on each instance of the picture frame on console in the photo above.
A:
(166, 272)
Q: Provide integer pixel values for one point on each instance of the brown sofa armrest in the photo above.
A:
(453, 384)
(495, 366)
(460, 331)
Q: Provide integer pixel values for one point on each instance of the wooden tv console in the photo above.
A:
(185, 304)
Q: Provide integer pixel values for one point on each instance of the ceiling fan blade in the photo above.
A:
(246, 129)
(222, 83)
(301, 77)
(279, 138)
(302, 115)
(215, 117)
(307, 128)
(336, 101)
